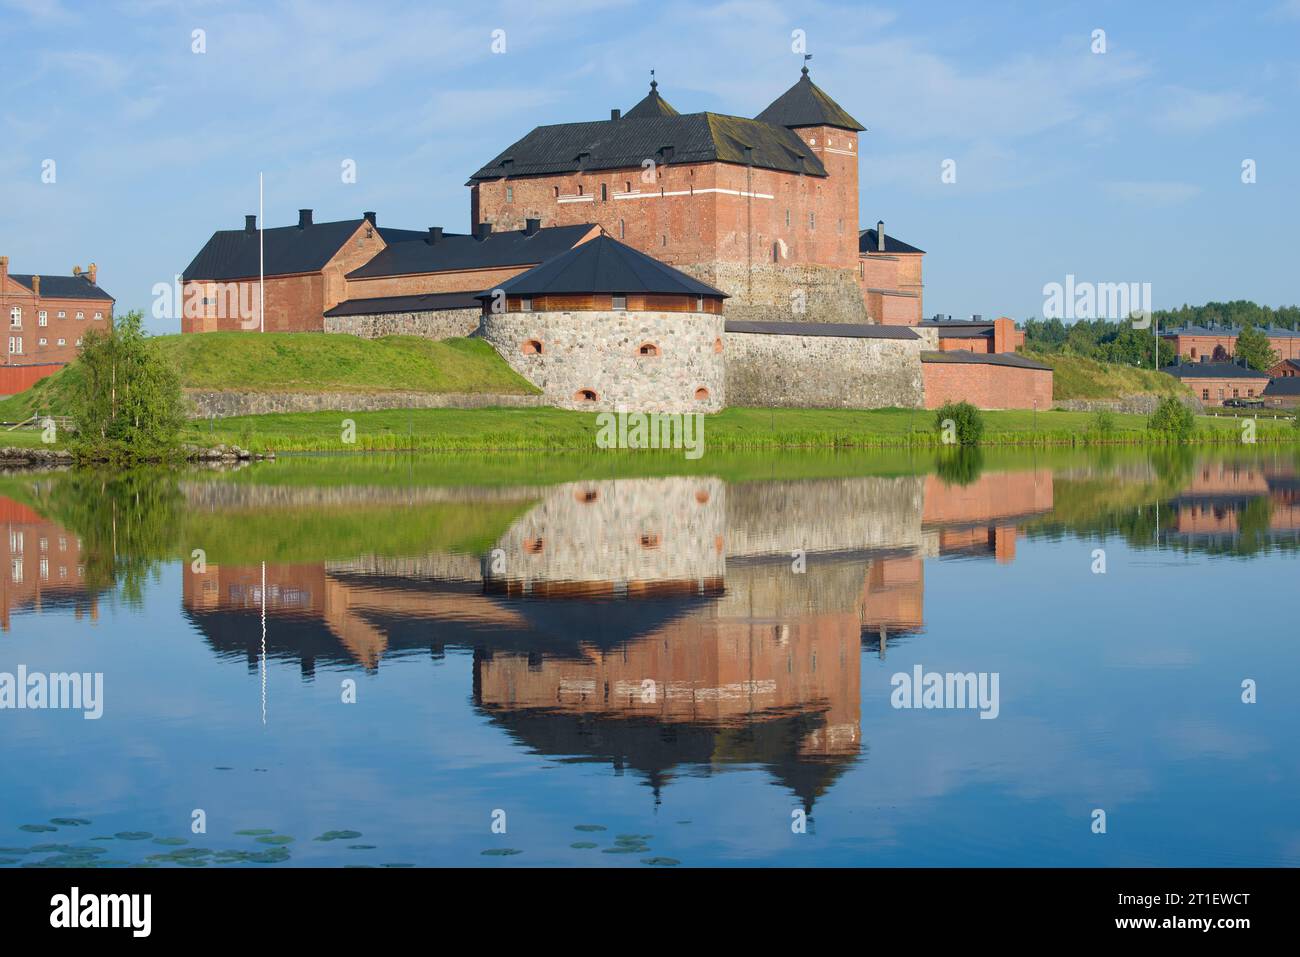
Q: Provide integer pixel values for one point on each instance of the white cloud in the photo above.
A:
(1151, 192)
(1194, 111)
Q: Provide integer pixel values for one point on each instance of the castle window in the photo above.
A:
(534, 546)
(812, 220)
(604, 192)
(627, 186)
(717, 345)
(586, 497)
(663, 240)
(525, 304)
(649, 540)
(776, 252)
(648, 349)
(510, 194)
(702, 496)
(585, 395)
(701, 394)
(787, 217)
(556, 190)
(531, 347)
(618, 302)
(580, 189)
(622, 229)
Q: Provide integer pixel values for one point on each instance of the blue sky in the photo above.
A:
(1122, 166)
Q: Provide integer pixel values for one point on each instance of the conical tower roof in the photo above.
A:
(651, 105)
(807, 104)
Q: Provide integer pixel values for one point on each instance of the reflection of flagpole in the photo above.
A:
(261, 259)
(263, 642)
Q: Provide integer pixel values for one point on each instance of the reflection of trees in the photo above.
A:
(961, 465)
(127, 522)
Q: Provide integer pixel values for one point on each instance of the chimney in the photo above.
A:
(4, 272)
(531, 226)
(76, 270)
(36, 286)
(304, 218)
(370, 217)
(615, 114)
(482, 231)
(880, 235)
(92, 272)
(250, 224)
(435, 235)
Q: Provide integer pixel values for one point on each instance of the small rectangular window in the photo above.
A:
(604, 192)
(620, 301)
(62, 314)
(99, 316)
(63, 342)
(43, 318)
(42, 342)
(526, 304)
(510, 194)
(81, 315)
(16, 317)
(699, 303)
(812, 220)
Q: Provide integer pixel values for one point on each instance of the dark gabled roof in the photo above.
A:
(846, 330)
(1283, 385)
(806, 104)
(1212, 370)
(233, 253)
(964, 330)
(1276, 332)
(386, 305)
(604, 265)
(1293, 363)
(63, 287)
(961, 356)
(458, 252)
(867, 243)
(626, 143)
(652, 105)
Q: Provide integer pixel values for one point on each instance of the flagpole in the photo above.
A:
(261, 259)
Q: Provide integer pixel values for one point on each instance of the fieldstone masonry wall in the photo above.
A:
(822, 372)
(600, 352)
(442, 324)
(766, 292)
(204, 405)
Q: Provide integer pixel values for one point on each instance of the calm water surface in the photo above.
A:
(657, 661)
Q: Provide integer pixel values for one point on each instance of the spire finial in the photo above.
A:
(806, 58)
(654, 84)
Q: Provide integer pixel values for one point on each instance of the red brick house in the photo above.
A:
(1286, 369)
(1218, 343)
(1213, 382)
(975, 335)
(46, 317)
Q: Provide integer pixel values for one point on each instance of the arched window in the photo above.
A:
(585, 395)
(648, 349)
(701, 394)
(1220, 354)
(531, 347)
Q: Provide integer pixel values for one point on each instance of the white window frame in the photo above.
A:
(99, 316)
(15, 345)
(42, 318)
(81, 316)
(16, 317)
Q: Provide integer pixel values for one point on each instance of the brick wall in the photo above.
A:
(986, 386)
(19, 378)
(61, 330)
(1213, 391)
(466, 280)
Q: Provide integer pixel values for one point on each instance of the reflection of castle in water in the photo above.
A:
(1227, 498)
(653, 624)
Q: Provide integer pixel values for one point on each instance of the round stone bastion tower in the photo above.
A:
(605, 327)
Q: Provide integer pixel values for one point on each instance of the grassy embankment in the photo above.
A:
(333, 363)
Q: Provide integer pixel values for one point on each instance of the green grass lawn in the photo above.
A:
(303, 362)
(1074, 377)
(733, 429)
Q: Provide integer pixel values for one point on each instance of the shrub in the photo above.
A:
(1103, 423)
(960, 420)
(1173, 419)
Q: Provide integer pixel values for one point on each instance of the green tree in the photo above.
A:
(1173, 419)
(967, 422)
(128, 403)
(1252, 345)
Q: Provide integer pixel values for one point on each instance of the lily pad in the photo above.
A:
(590, 827)
(69, 821)
(626, 849)
(361, 847)
(36, 828)
(660, 861)
(255, 831)
(171, 841)
(583, 845)
(501, 852)
(6, 861)
(339, 836)
(276, 855)
(275, 839)
(133, 835)
(397, 865)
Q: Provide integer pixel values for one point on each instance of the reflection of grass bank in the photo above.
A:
(443, 430)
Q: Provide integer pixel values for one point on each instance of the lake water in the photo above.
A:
(622, 660)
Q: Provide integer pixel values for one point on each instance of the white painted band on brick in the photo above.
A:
(575, 199)
(687, 192)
